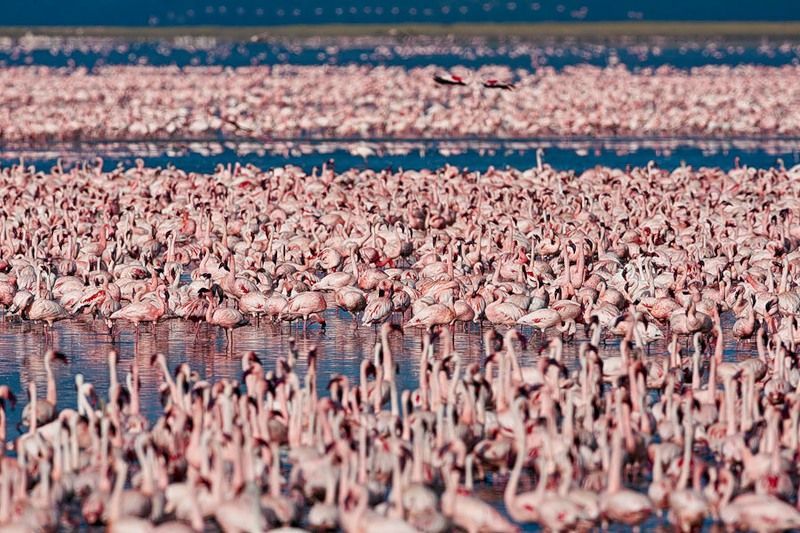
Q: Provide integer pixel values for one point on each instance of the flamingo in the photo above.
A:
(225, 317)
(149, 310)
(619, 504)
(433, 315)
(304, 305)
(449, 80)
(380, 307)
(496, 84)
(351, 299)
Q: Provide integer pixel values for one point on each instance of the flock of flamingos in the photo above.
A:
(44, 104)
(610, 258)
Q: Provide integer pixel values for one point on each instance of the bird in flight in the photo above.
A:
(458, 80)
(449, 80)
(495, 84)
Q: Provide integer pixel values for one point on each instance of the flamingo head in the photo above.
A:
(54, 355)
(217, 291)
(250, 357)
(7, 395)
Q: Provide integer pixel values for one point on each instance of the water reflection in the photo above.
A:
(340, 350)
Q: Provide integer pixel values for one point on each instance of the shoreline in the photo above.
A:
(535, 31)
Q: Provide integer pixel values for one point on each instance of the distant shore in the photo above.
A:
(584, 30)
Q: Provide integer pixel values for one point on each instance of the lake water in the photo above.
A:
(396, 51)
(340, 349)
(277, 12)
(343, 346)
(474, 155)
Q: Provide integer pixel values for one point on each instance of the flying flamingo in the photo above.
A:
(449, 80)
(496, 84)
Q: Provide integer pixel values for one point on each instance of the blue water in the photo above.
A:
(446, 53)
(566, 155)
(275, 12)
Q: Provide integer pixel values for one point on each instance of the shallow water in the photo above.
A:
(566, 154)
(340, 350)
(420, 51)
(340, 347)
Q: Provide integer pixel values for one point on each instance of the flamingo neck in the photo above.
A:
(615, 468)
(510, 493)
(210, 310)
(34, 406)
(116, 495)
(687, 453)
(730, 416)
